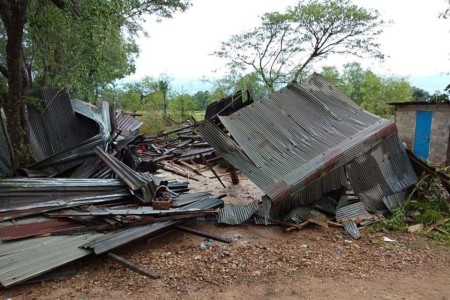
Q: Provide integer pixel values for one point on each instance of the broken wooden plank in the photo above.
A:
(132, 266)
(173, 170)
(195, 170)
(204, 234)
(212, 170)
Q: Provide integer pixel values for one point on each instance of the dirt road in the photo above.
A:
(262, 262)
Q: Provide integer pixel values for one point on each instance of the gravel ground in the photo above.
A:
(262, 262)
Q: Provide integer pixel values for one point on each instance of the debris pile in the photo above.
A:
(306, 142)
(317, 156)
(82, 196)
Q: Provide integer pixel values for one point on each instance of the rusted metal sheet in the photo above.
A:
(20, 231)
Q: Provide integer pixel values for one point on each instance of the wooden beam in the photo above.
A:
(204, 234)
(212, 170)
(133, 267)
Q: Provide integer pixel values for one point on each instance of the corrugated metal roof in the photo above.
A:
(90, 125)
(296, 136)
(41, 255)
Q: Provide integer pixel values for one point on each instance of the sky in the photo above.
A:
(416, 44)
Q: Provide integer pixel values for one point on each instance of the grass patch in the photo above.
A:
(428, 205)
(154, 121)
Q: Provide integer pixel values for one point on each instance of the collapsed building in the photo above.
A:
(307, 140)
(316, 155)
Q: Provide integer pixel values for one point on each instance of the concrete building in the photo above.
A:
(424, 127)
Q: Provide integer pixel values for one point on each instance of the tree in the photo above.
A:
(420, 94)
(378, 92)
(369, 90)
(183, 104)
(285, 44)
(163, 88)
(137, 95)
(202, 97)
(232, 83)
(91, 40)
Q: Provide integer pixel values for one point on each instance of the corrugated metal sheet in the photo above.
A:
(116, 239)
(351, 228)
(298, 215)
(54, 127)
(18, 231)
(189, 198)
(394, 200)
(290, 141)
(25, 193)
(90, 125)
(127, 123)
(234, 214)
(38, 256)
(6, 153)
(353, 211)
(133, 179)
(380, 172)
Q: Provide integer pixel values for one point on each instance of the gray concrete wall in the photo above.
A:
(405, 118)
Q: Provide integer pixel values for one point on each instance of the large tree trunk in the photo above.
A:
(12, 13)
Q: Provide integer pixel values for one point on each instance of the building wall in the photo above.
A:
(405, 118)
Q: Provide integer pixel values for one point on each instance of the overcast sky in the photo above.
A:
(417, 43)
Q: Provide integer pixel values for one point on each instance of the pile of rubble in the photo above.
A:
(317, 156)
(89, 190)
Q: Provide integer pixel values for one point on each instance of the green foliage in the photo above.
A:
(420, 94)
(430, 206)
(182, 107)
(83, 46)
(233, 83)
(369, 90)
(202, 97)
(285, 44)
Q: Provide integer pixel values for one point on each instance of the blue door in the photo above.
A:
(423, 134)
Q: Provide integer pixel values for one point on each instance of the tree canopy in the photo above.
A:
(285, 44)
(371, 91)
(77, 45)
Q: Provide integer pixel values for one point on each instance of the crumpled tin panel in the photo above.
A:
(127, 122)
(116, 239)
(234, 214)
(351, 228)
(54, 127)
(383, 171)
(89, 127)
(353, 211)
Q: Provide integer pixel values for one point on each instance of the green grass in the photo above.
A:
(429, 206)
(154, 121)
